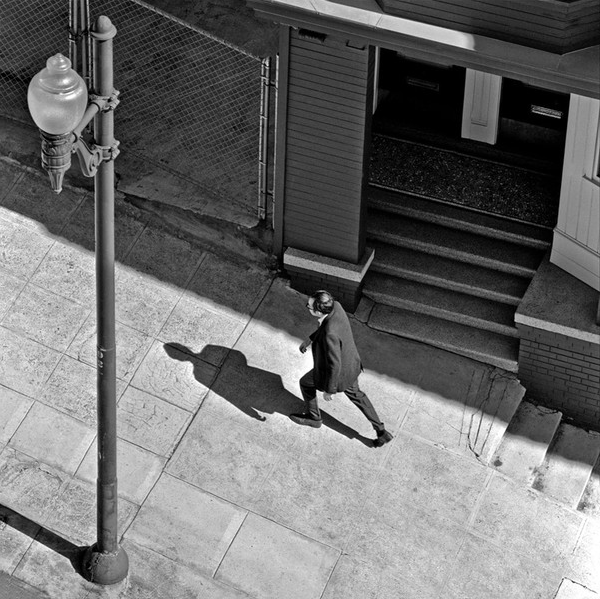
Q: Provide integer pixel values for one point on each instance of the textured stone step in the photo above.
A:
(590, 500)
(568, 464)
(450, 274)
(484, 346)
(442, 303)
(526, 442)
(450, 243)
(457, 217)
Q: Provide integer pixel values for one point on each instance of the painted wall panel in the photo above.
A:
(549, 25)
(576, 239)
(327, 118)
(298, 204)
(326, 132)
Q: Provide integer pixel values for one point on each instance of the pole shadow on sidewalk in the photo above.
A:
(38, 533)
(254, 391)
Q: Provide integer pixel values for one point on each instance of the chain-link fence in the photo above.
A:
(190, 103)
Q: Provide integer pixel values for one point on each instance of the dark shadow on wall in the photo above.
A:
(253, 391)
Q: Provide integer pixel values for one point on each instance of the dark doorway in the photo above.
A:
(533, 121)
(418, 96)
(417, 148)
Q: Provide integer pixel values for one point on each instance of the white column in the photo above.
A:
(376, 97)
(481, 106)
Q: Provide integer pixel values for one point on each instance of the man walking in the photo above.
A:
(337, 366)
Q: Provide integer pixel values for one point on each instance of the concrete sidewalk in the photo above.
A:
(222, 496)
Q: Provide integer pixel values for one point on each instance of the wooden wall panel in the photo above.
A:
(576, 246)
(550, 25)
(327, 129)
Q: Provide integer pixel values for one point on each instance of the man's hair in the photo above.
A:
(323, 301)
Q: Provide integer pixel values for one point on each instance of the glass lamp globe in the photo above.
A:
(57, 97)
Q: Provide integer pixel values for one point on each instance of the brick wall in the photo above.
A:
(561, 372)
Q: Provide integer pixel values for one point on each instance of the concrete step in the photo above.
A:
(458, 217)
(483, 346)
(526, 441)
(495, 409)
(451, 243)
(590, 500)
(567, 467)
(447, 273)
(441, 303)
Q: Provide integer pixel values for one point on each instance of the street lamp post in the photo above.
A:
(59, 105)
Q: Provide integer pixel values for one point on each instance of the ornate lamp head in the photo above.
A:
(57, 99)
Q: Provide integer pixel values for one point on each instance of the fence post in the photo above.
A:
(263, 142)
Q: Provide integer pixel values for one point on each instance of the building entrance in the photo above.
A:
(533, 121)
(415, 96)
(417, 146)
(423, 101)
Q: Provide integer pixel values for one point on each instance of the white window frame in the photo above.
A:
(596, 164)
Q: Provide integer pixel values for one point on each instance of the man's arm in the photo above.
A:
(305, 345)
(334, 363)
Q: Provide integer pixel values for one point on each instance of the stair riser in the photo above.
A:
(467, 257)
(411, 275)
(471, 321)
(459, 225)
(508, 365)
(526, 441)
(568, 464)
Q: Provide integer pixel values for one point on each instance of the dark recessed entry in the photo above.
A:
(420, 95)
(532, 119)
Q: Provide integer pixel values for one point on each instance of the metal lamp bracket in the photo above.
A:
(90, 157)
(105, 103)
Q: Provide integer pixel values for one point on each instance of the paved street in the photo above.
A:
(222, 496)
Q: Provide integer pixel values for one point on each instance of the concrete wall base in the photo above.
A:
(559, 352)
(309, 272)
(561, 372)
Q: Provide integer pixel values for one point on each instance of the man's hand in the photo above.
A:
(328, 396)
(305, 345)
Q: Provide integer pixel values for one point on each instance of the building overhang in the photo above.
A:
(363, 22)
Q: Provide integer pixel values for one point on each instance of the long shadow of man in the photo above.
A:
(253, 391)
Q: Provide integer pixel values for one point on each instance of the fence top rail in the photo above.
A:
(194, 28)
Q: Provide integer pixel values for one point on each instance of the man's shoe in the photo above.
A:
(383, 437)
(306, 420)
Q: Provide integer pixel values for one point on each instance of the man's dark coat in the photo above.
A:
(336, 360)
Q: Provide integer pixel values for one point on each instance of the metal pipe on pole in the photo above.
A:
(105, 562)
(61, 107)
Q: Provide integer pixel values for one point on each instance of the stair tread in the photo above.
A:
(445, 272)
(430, 209)
(443, 302)
(568, 464)
(484, 346)
(525, 442)
(460, 244)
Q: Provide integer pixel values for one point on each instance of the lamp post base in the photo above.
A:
(104, 568)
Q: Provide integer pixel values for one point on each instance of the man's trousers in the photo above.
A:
(354, 394)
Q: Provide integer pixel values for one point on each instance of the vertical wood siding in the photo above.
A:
(551, 25)
(326, 131)
(576, 245)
